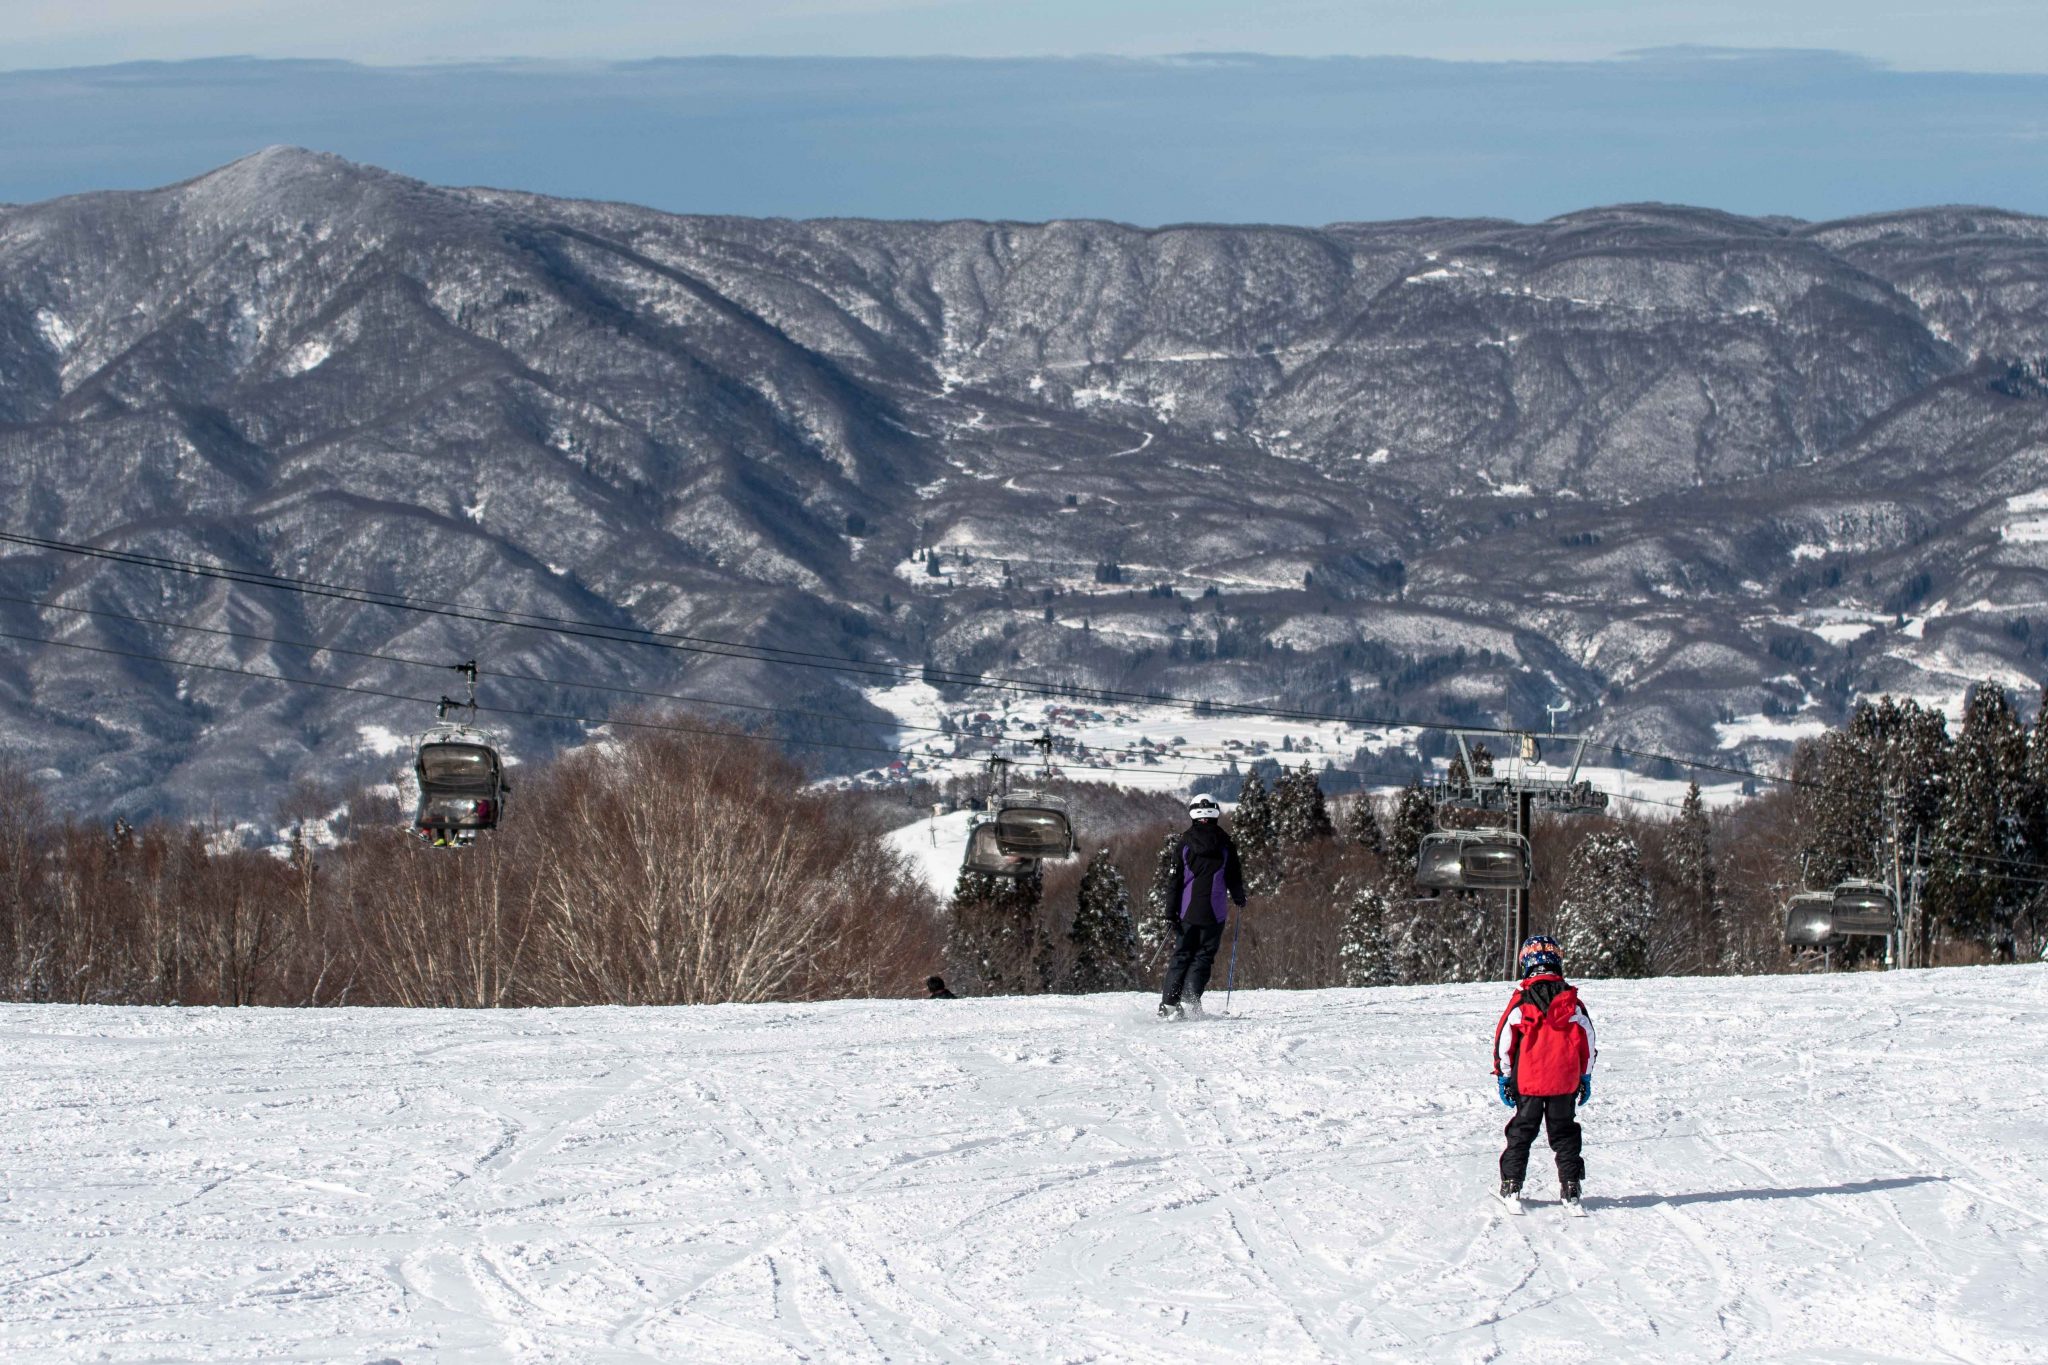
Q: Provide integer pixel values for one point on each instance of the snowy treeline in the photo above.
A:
(1893, 789)
(1636, 892)
(661, 869)
(687, 869)
(1329, 906)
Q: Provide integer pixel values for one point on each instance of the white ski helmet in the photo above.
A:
(1204, 808)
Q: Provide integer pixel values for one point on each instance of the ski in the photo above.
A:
(1511, 1204)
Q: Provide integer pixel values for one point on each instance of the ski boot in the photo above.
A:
(1568, 1190)
(1511, 1196)
(1170, 1009)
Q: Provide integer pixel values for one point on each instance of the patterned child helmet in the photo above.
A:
(1204, 808)
(1540, 953)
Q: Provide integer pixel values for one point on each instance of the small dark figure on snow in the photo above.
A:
(1543, 1055)
(935, 987)
(1209, 881)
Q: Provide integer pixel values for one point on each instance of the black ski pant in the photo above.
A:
(1559, 1114)
(1194, 957)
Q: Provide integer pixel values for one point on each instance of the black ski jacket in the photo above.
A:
(1208, 878)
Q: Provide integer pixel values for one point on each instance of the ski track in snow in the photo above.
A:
(1842, 1169)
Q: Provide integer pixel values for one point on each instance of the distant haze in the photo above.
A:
(1959, 35)
(1143, 140)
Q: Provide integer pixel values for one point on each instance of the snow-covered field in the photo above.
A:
(1184, 746)
(1839, 1169)
(935, 846)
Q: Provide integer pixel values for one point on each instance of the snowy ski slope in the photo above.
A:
(1833, 1169)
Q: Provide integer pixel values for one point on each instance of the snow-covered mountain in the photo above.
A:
(1794, 1168)
(1707, 476)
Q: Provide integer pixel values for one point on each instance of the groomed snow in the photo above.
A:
(1842, 1169)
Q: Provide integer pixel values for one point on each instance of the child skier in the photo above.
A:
(1543, 1067)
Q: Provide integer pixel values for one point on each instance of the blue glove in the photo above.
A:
(1586, 1088)
(1507, 1096)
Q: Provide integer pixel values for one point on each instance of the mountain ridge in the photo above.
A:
(758, 428)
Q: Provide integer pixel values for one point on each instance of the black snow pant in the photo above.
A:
(1558, 1113)
(1194, 957)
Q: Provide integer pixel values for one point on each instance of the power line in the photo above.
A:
(515, 711)
(530, 714)
(252, 637)
(774, 654)
(714, 647)
(2023, 863)
(1708, 766)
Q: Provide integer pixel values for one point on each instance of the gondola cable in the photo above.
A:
(775, 654)
(538, 680)
(528, 714)
(716, 648)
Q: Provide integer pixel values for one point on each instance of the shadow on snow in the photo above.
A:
(1650, 1201)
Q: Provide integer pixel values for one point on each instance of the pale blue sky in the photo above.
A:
(981, 108)
(1961, 35)
(1144, 140)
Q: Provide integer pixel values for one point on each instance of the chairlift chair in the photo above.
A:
(1033, 825)
(1863, 908)
(985, 855)
(1474, 860)
(1810, 920)
(462, 783)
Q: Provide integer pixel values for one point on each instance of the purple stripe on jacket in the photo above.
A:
(1219, 892)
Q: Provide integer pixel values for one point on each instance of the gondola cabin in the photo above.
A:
(986, 857)
(462, 784)
(1034, 825)
(1474, 860)
(1810, 920)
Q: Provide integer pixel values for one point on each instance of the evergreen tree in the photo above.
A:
(2037, 783)
(1301, 813)
(2035, 916)
(1414, 816)
(1365, 954)
(1104, 940)
(1445, 938)
(993, 943)
(1983, 823)
(1362, 825)
(1456, 777)
(1900, 749)
(1255, 831)
(1604, 914)
(1691, 856)
(1159, 926)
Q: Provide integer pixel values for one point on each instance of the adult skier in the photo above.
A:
(1543, 1053)
(1208, 879)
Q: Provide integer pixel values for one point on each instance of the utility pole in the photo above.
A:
(1516, 796)
(1895, 941)
(1916, 920)
(1518, 900)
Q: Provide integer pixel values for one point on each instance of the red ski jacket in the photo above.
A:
(1543, 1043)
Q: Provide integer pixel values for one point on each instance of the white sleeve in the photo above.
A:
(1503, 1052)
(1585, 1021)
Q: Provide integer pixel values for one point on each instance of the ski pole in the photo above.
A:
(1230, 973)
